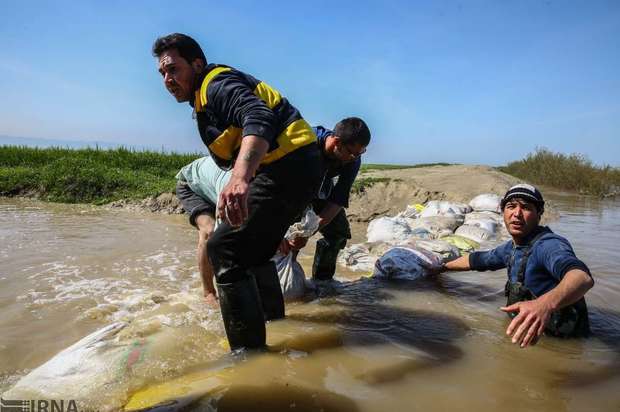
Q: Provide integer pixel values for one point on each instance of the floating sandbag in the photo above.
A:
(388, 229)
(99, 370)
(462, 243)
(475, 233)
(406, 263)
(486, 202)
(442, 207)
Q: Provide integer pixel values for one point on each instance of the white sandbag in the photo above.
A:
(436, 224)
(497, 217)
(306, 227)
(486, 202)
(388, 229)
(290, 272)
(292, 276)
(444, 250)
(487, 224)
(361, 257)
(442, 207)
(406, 263)
(474, 233)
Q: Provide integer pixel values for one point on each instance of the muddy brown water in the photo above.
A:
(356, 345)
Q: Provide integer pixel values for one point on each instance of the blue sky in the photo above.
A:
(470, 82)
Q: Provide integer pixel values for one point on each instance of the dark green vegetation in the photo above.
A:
(88, 175)
(570, 172)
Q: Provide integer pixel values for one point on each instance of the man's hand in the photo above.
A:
(211, 299)
(286, 246)
(298, 243)
(529, 324)
(233, 201)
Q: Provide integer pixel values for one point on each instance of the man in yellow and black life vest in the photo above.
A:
(248, 127)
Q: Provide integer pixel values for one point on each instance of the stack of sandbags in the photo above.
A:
(483, 224)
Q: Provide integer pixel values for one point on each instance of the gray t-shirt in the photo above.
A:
(205, 178)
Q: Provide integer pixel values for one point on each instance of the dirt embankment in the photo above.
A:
(458, 183)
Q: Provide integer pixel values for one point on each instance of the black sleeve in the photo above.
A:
(232, 100)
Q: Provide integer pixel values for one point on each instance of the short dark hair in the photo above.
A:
(187, 47)
(352, 130)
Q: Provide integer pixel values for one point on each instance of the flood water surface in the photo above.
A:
(354, 345)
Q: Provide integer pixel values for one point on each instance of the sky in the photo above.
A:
(476, 82)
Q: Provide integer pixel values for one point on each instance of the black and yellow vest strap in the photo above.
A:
(297, 133)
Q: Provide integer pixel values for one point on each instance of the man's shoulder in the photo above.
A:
(322, 132)
(551, 242)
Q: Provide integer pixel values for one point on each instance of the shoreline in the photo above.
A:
(390, 193)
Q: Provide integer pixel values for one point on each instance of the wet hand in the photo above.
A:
(529, 324)
(284, 247)
(233, 202)
(298, 243)
(211, 299)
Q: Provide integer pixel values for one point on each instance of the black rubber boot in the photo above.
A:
(324, 265)
(269, 289)
(242, 313)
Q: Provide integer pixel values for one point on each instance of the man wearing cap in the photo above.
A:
(546, 281)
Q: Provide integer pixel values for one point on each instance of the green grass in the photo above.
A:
(88, 175)
(572, 172)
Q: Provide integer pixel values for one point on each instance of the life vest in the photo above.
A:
(223, 138)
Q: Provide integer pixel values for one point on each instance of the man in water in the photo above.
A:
(248, 127)
(198, 187)
(546, 282)
(341, 151)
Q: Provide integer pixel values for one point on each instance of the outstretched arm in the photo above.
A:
(532, 316)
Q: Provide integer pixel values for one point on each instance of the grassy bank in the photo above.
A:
(87, 175)
(572, 172)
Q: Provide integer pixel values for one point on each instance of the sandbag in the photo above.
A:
(486, 202)
(361, 257)
(497, 217)
(436, 224)
(475, 233)
(292, 276)
(487, 224)
(388, 229)
(442, 207)
(406, 263)
(462, 243)
(441, 248)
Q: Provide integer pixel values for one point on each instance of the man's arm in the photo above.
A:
(458, 264)
(533, 315)
(328, 214)
(233, 200)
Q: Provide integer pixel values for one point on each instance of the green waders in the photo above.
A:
(335, 236)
